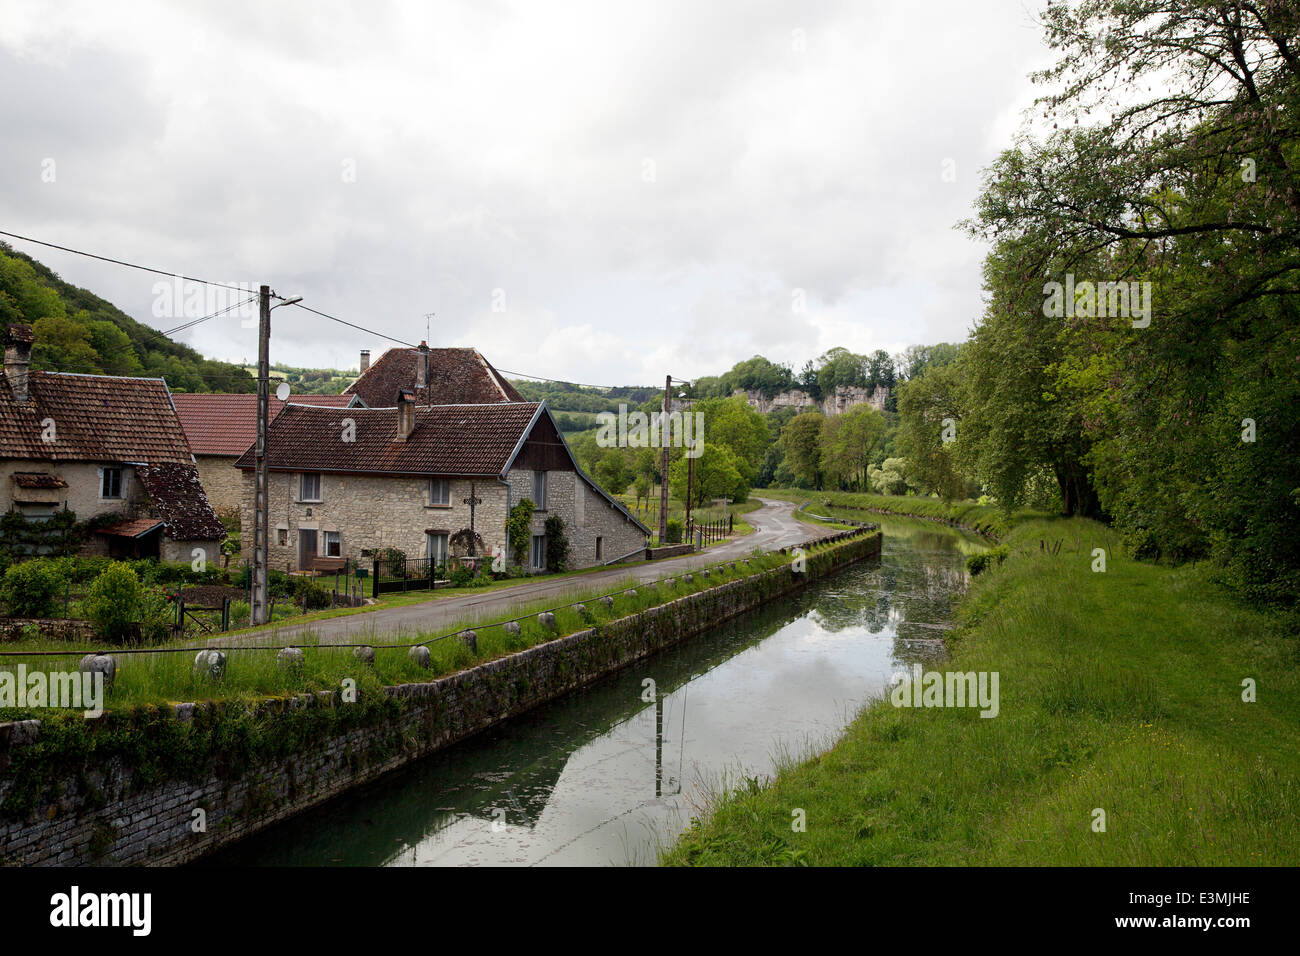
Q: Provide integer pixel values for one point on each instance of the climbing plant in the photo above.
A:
(519, 526)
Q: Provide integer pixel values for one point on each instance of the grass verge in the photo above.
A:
(1120, 691)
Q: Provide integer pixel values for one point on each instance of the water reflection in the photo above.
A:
(604, 775)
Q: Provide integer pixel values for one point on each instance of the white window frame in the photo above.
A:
(539, 490)
(338, 540)
(445, 485)
(537, 552)
(121, 483)
(320, 487)
(438, 554)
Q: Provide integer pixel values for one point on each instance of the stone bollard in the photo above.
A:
(469, 639)
(581, 611)
(105, 664)
(547, 620)
(512, 628)
(419, 656)
(365, 654)
(688, 579)
(607, 601)
(704, 573)
(668, 582)
(291, 658)
(210, 664)
(631, 593)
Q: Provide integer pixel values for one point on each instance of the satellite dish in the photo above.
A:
(282, 393)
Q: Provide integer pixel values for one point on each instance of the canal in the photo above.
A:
(611, 773)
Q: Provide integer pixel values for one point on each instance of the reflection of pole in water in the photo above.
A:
(659, 745)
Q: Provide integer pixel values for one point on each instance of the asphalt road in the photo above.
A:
(774, 527)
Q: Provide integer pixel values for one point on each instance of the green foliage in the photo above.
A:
(929, 412)
(557, 544)
(77, 331)
(310, 596)
(978, 563)
(801, 440)
(33, 588)
(673, 531)
(519, 529)
(717, 474)
(114, 600)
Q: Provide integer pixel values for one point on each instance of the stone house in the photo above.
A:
(105, 447)
(220, 427)
(345, 483)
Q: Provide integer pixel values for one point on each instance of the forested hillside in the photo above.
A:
(77, 331)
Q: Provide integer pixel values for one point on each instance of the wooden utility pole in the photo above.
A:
(663, 462)
(261, 511)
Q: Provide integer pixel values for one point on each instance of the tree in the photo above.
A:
(735, 424)
(849, 442)
(717, 475)
(930, 428)
(801, 441)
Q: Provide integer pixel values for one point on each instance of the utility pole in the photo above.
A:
(663, 462)
(261, 511)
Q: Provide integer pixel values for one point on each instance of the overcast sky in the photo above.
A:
(599, 192)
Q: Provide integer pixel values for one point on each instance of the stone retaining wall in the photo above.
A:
(104, 812)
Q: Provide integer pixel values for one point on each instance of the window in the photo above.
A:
(539, 490)
(309, 487)
(439, 492)
(599, 548)
(539, 551)
(437, 546)
(333, 545)
(282, 537)
(110, 485)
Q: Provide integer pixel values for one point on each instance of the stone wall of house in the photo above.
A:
(370, 512)
(184, 551)
(222, 481)
(100, 813)
(83, 492)
(586, 514)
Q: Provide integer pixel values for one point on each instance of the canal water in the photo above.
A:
(613, 772)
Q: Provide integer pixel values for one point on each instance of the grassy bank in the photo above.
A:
(1120, 691)
(157, 676)
(985, 519)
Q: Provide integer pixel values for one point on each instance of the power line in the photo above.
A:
(560, 381)
(351, 325)
(120, 262)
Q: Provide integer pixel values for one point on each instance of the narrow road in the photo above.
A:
(774, 527)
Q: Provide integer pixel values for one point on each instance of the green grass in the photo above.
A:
(986, 519)
(1119, 690)
(144, 678)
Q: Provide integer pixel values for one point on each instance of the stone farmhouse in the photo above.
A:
(105, 447)
(433, 480)
(221, 427)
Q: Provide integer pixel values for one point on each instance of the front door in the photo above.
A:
(306, 548)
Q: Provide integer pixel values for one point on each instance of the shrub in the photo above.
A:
(32, 588)
(987, 559)
(113, 603)
(461, 576)
(395, 559)
(557, 544)
(310, 596)
(519, 527)
(157, 615)
(674, 531)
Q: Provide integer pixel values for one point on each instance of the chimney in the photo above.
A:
(422, 365)
(18, 359)
(365, 360)
(405, 414)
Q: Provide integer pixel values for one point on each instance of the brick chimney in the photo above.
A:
(365, 359)
(422, 365)
(18, 359)
(405, 413)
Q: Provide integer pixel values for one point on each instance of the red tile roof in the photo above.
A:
(469, 440)
(91, 418)
(221, 424)
(178, 499)
(132, 527)
(456, 376)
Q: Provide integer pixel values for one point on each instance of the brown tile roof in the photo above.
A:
(456, 377)
(131, 528)
(94, 418)
(447, 440)
(222, 424)
(178, 499)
